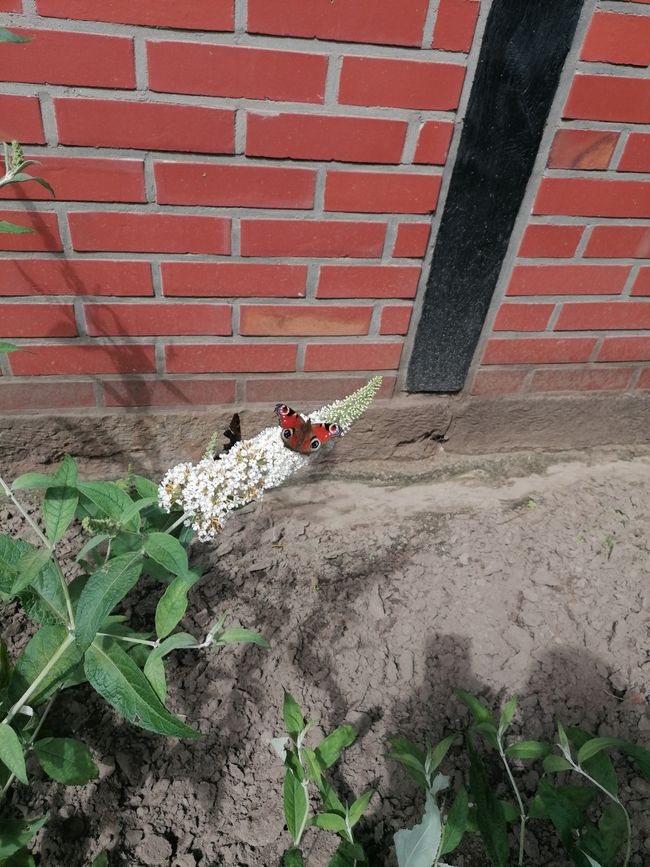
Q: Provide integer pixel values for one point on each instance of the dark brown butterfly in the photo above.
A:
(232, 433)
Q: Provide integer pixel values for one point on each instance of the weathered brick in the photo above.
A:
(234, 186)
(591, 197)
(77, 179)
(266, 320)
(539, 350)
(498, 381)
(37, 320)
(51, 360)
(636, 156)
(230, 358)
(145, 125)
(352, 356)
(644, 378)
(360, 21)
(236, 71)
(43, 237)
(433, 142)
(325, 137)
(163, 233)
(568, 279)
(22, 396)
(616, 38)
(74, 277)
(609, 97)
(400, 83)
(381, 192)
(627, 242)
(625, 349)
(523, 317)
(233, 279)
(590, 379)
(311, 390)
(411, 241)
(550, 241)
(57, 57)
(138, 320)
(642, 283)
(612, 315)
(197, 15)
(168, 392)
(395, 320)
(20, 119)
(367, 281)
(11, 6)
(335, 238)
(455, 25)
(582, 149)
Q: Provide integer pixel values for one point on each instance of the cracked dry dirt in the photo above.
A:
(524, 574)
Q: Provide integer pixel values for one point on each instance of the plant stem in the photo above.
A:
(523, 818)
(31, 740)
(29, 692)
(127, 638)
(182, 518)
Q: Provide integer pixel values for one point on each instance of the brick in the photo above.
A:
(74, 277)
(311, 390)
(37, 320)
(550, 242)
(234, 186)
(604, 315)
(326, 238)
(591, 379)
(498, 381)
(22, 396)
(636, 156)
(568, 279)
(616, 38)
(325, 137)
(523, 317)
(11, 6)
(381, 192)
(367, 281)
(197, 15)
(360, 21)
(43, 237)
(77, 179)
(411, 240)
(233, 279)
(235, 71)
(625, 349)
(586, 149)
(56, 57)
(353, 356)
(162, 233)
(433, 142)
(539, 350)
(266, 320)
(455, 25)
(145, 125)
(20, 119)
(590, 197)
(395, 320)
(627, 242)
(141, 320)
(644, 378)
(609, 97)
(169, 392)
(75, 359)
(642, 283)
(230, 358)
(400, 83)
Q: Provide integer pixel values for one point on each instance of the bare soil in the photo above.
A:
(379, 594)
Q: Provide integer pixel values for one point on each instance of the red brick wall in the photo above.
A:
(575, 308)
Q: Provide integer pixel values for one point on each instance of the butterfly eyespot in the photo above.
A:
(287, 433)
(314, 444)
(334, 429)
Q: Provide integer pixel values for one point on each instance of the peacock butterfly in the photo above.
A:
(301, 434)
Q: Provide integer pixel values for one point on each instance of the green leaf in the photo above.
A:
(66, 761)
(11, 752)
(91, 544)
(411, 757)
(43, 600)
(554, 764)
(293, 858)
(528, 750)
(294, 721)
(30, 566)
(100, 860)
(600, 765)
(5, 666)
(138, 507)
(114, 675)
(103, 590)
(34, 657)
(348, 855)
(480, 713)
(417, 846)
(613, 833)
(296, 806)
(330, 822)
(66, 473)
(437, 754)
(145, 487)
(22, 858)
(154, 669)
(358, 808)
(9, 36)
(167, 551)
(7, 228)
(489, 732)
(331, 800)
(22, 177)
(238, 635)
(639, 755)
(59, 506)
(562, 736)
(111, 500)
(6, 348)
(31, 480)
(490, 818)
(330, 748)
(507, 714)
(16, 833)
(456, 822)
(580, 797)
(172, 605)
(566, 816)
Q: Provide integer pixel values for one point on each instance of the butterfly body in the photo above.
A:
(301, 434)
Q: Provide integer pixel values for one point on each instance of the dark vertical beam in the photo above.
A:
(523, 50)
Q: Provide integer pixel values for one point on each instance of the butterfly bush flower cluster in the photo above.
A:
(209, 491)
